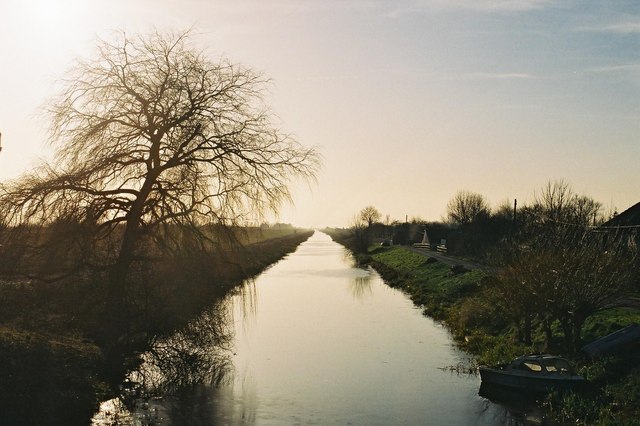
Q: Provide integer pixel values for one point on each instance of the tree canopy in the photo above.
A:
(567, 277)
(369, 215)
(558, 204)
(467, 207)
(150, 133)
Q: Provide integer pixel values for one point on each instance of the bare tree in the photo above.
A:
(151, 136)
(554, 200)
(567, 278)
(586, 211)
(595, 276)
(557, 203)
(369, 215)
(467, 207)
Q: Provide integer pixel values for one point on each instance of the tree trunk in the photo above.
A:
(518, 329)
(548, 333)
(578, 322)
(527, 330)
(120, 269)
(568, 333)
(119, 272)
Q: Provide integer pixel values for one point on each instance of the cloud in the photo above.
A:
(630, 71)
(495, 5)
(626, 26)
(498, 76)
(481, 76)
(486, 6)
(621, 68)
(519, 107)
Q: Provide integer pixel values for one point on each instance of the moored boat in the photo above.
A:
(535, 373)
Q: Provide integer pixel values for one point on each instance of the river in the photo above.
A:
(316, 340)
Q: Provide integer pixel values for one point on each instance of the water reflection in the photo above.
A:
(199, 353)
(174, 367)
(361, 285)
(520, 408)
(313, 341)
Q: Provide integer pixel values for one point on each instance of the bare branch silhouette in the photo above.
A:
(155, 140)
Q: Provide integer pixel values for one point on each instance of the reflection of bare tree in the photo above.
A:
(183, 369)
(348, 257)
(245, 296)
(361, 286)
(198, 354)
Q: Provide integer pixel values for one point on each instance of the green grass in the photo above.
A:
(430, 284)
(399, 258)
(434, 277)
(608, 321)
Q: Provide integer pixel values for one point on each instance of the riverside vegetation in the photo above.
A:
(546, 287)
(56, 363)
(461, 300)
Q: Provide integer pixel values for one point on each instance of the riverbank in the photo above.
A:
(456, 297)
(443, 292)
(56, 364)
(440, 290)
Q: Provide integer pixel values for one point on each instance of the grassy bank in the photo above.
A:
(457, 298)
(56, 362)
(436, 287)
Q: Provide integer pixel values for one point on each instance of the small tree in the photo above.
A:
(369, 215)
(566, 278)
(594, 276)
(527, 290)
(362, 228)
(467, 207)
(469, 213)
(554, 201)
(586, 211)
(557, 204)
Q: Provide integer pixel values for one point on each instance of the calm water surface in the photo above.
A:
(319, 341)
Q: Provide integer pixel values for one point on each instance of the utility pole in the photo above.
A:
(515, 210)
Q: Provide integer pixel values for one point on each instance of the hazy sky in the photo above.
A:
(408, 101)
